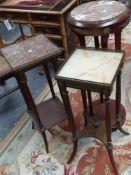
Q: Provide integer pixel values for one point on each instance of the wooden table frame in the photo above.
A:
(102, 28)
(41, 113)
(106, 89)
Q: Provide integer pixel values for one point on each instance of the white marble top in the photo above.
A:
(98, 11)
(90, 65)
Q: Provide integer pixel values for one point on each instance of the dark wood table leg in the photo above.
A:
(98, 108)
(55, 63)
(83, 94)
(96, 121)
(66, 101)
(104, 41)
(48, 76)
(118, 40)
(96, 41)
(84, 100)
(21, 31)
(22, 82)
(108, 132)
(118, 103)
(82, 40)
(104, 44)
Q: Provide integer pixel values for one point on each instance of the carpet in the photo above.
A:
(24, 153)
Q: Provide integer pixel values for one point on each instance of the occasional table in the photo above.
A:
(24, 56)
(95, 70)
(100, 18)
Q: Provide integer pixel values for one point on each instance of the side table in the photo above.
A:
(24, 56)
(95, 70)
(100, 18)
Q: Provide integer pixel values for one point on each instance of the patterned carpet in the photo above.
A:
(25, 153)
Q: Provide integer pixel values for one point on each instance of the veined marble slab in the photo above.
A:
(91, 65)
(98, 11)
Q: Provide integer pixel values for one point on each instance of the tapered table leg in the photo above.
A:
(108, 132)
(118, 40)
(66, 101)
(118, 103)
(85, 113)
(83, 92)
(22, 82)
(48, 76)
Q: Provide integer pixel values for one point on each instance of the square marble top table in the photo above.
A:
(30, 52)
(92, 67)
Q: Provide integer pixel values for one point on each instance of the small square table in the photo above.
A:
(94, 70)
(24, 56)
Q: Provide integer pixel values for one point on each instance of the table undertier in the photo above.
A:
(99, 112)
(51, 112)
(91, 131)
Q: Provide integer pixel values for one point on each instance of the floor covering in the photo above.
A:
(23, 152)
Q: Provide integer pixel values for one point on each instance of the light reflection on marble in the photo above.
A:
(98, 11)
(90, 65)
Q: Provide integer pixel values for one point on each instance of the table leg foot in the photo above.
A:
(96, 121)
(122, 130)
(75, 143)
(110, 153)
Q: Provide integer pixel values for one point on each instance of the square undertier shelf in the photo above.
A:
(51, 112)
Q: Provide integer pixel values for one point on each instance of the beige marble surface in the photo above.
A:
(89, 65)
(98, 11)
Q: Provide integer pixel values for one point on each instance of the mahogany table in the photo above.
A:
(24, 56)
(100, 18)
(95, 70)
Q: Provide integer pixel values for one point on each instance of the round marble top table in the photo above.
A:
(100, 18)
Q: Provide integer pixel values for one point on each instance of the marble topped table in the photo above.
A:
(100, 18)
(25, 55)
(92, 70)
(29, 53)
(95, 70)
(98, 11)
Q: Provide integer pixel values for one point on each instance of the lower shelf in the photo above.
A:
(51, 112)
(99, 111)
